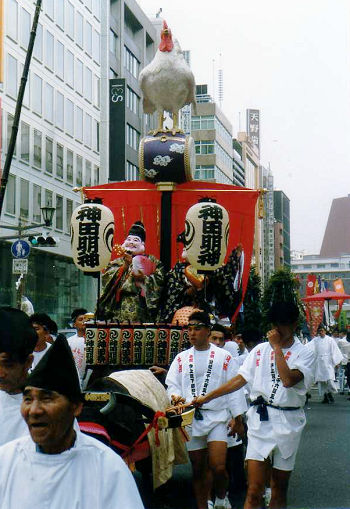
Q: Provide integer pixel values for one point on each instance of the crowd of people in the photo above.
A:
(249, 399)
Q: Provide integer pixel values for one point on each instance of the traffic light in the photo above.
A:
(42, 241)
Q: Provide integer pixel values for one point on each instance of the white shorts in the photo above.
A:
(275, 457)
(216, 434)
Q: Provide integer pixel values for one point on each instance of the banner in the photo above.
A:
(339, 288)
(314, 314)
(310, 284)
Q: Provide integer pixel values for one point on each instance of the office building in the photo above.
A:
(282, 229)
(336, 240)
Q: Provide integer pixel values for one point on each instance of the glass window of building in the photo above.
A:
(24, 201)
(131, 63)
(36, 203)
(37, 94)
(96, 8)
(69, 212)
(48, 198)
(26, 97)
(50, 8)
(79, 68)
(69, 166)
(204, 172)
(25, 131)
(10, 195)
(113, 42)
(11, 76)
(79, 171)
(132, 171)
(49, 50)
(25, 28)
(59, 212)
(79, 26)
(70, 20)
(204, 147)
(48, 102)
(10, 119)
(112, 74)
(88, 38)
(132, 137)
(87, 130)
(88, 84)
(96, 175)
(59, 161)
(96, 136)
(49, 155)
(97, 91)
(60, 14)
(88, 4)
(38, 46)
(79, 123)
(69, 68)
(69, 117)
(132, 100)
(60, 60)
(37, 148)
(12, 19)
(87, 173)
(59, 112)
(96, 46)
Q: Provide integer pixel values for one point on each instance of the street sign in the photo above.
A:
(20, 266)
(20, 249)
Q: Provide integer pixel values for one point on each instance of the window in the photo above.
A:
(202, 122)
(131, 63)
(49, 155)
(37, 148)
(88, 84)
(132, 137)
(10, 195)
(59, 212)
(59, 161)
(59, 110)
(11, 76)
(132, 171)
(96, 91)
(37, 91)
(96, 133)
(132, 100)
(69, 212)
(70, 20)
(88, 4)
(96, 46)
(38, 45)
(112, 74)
(79, 24)
(24, 202)
(69, 68)
(50, 4)
(69, 117)
(79, 171)
(204, 147)
(79, 123)
(48, 198)
(87, 173)
(69, 166)
(59, 59)
(60, 13)
(25, 142)
(25, 28)
(79, 76)
(96, 8)
(96, 175)
(36, 203)
(87, 130)
(48, 102)
(88, 38)
(204, 172)
(113, 42)
(49, 50)
(12, 19)
(10, 119)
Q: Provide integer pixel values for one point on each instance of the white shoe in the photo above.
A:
(222, 503)
(267, 496)
(210, 504)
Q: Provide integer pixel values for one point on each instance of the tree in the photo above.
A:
(250, 324)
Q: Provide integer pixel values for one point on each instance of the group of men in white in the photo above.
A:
(45, 461)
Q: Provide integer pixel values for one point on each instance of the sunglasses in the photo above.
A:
(196, 326)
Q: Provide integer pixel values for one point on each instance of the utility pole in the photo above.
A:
(22, 87)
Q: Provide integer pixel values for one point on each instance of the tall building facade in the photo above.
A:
(336, 240)
(282, 229)
(268, 225)
(58, 143)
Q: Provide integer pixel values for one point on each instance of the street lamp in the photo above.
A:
(47, 213)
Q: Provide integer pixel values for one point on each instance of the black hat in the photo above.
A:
(56, 371)
(17, 335)
(139, 230)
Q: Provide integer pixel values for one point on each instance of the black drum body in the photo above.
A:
(167, 157)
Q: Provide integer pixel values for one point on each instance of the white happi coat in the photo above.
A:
(87, 476)
(327, 356)
(12, 424)
(284, 427)
(218, 410)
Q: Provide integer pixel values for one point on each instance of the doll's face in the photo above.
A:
(134, 245)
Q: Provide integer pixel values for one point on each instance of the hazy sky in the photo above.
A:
(290, 59)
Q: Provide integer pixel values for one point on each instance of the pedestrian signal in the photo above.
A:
(42, 241)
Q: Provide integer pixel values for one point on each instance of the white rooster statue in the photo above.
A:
(167, 82)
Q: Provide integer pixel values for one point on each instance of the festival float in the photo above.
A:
(163, 246)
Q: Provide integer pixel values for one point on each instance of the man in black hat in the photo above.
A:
(17, 342)
(58, 466)
(133, 282)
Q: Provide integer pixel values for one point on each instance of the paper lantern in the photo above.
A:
(92, 231)
(206, 235)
